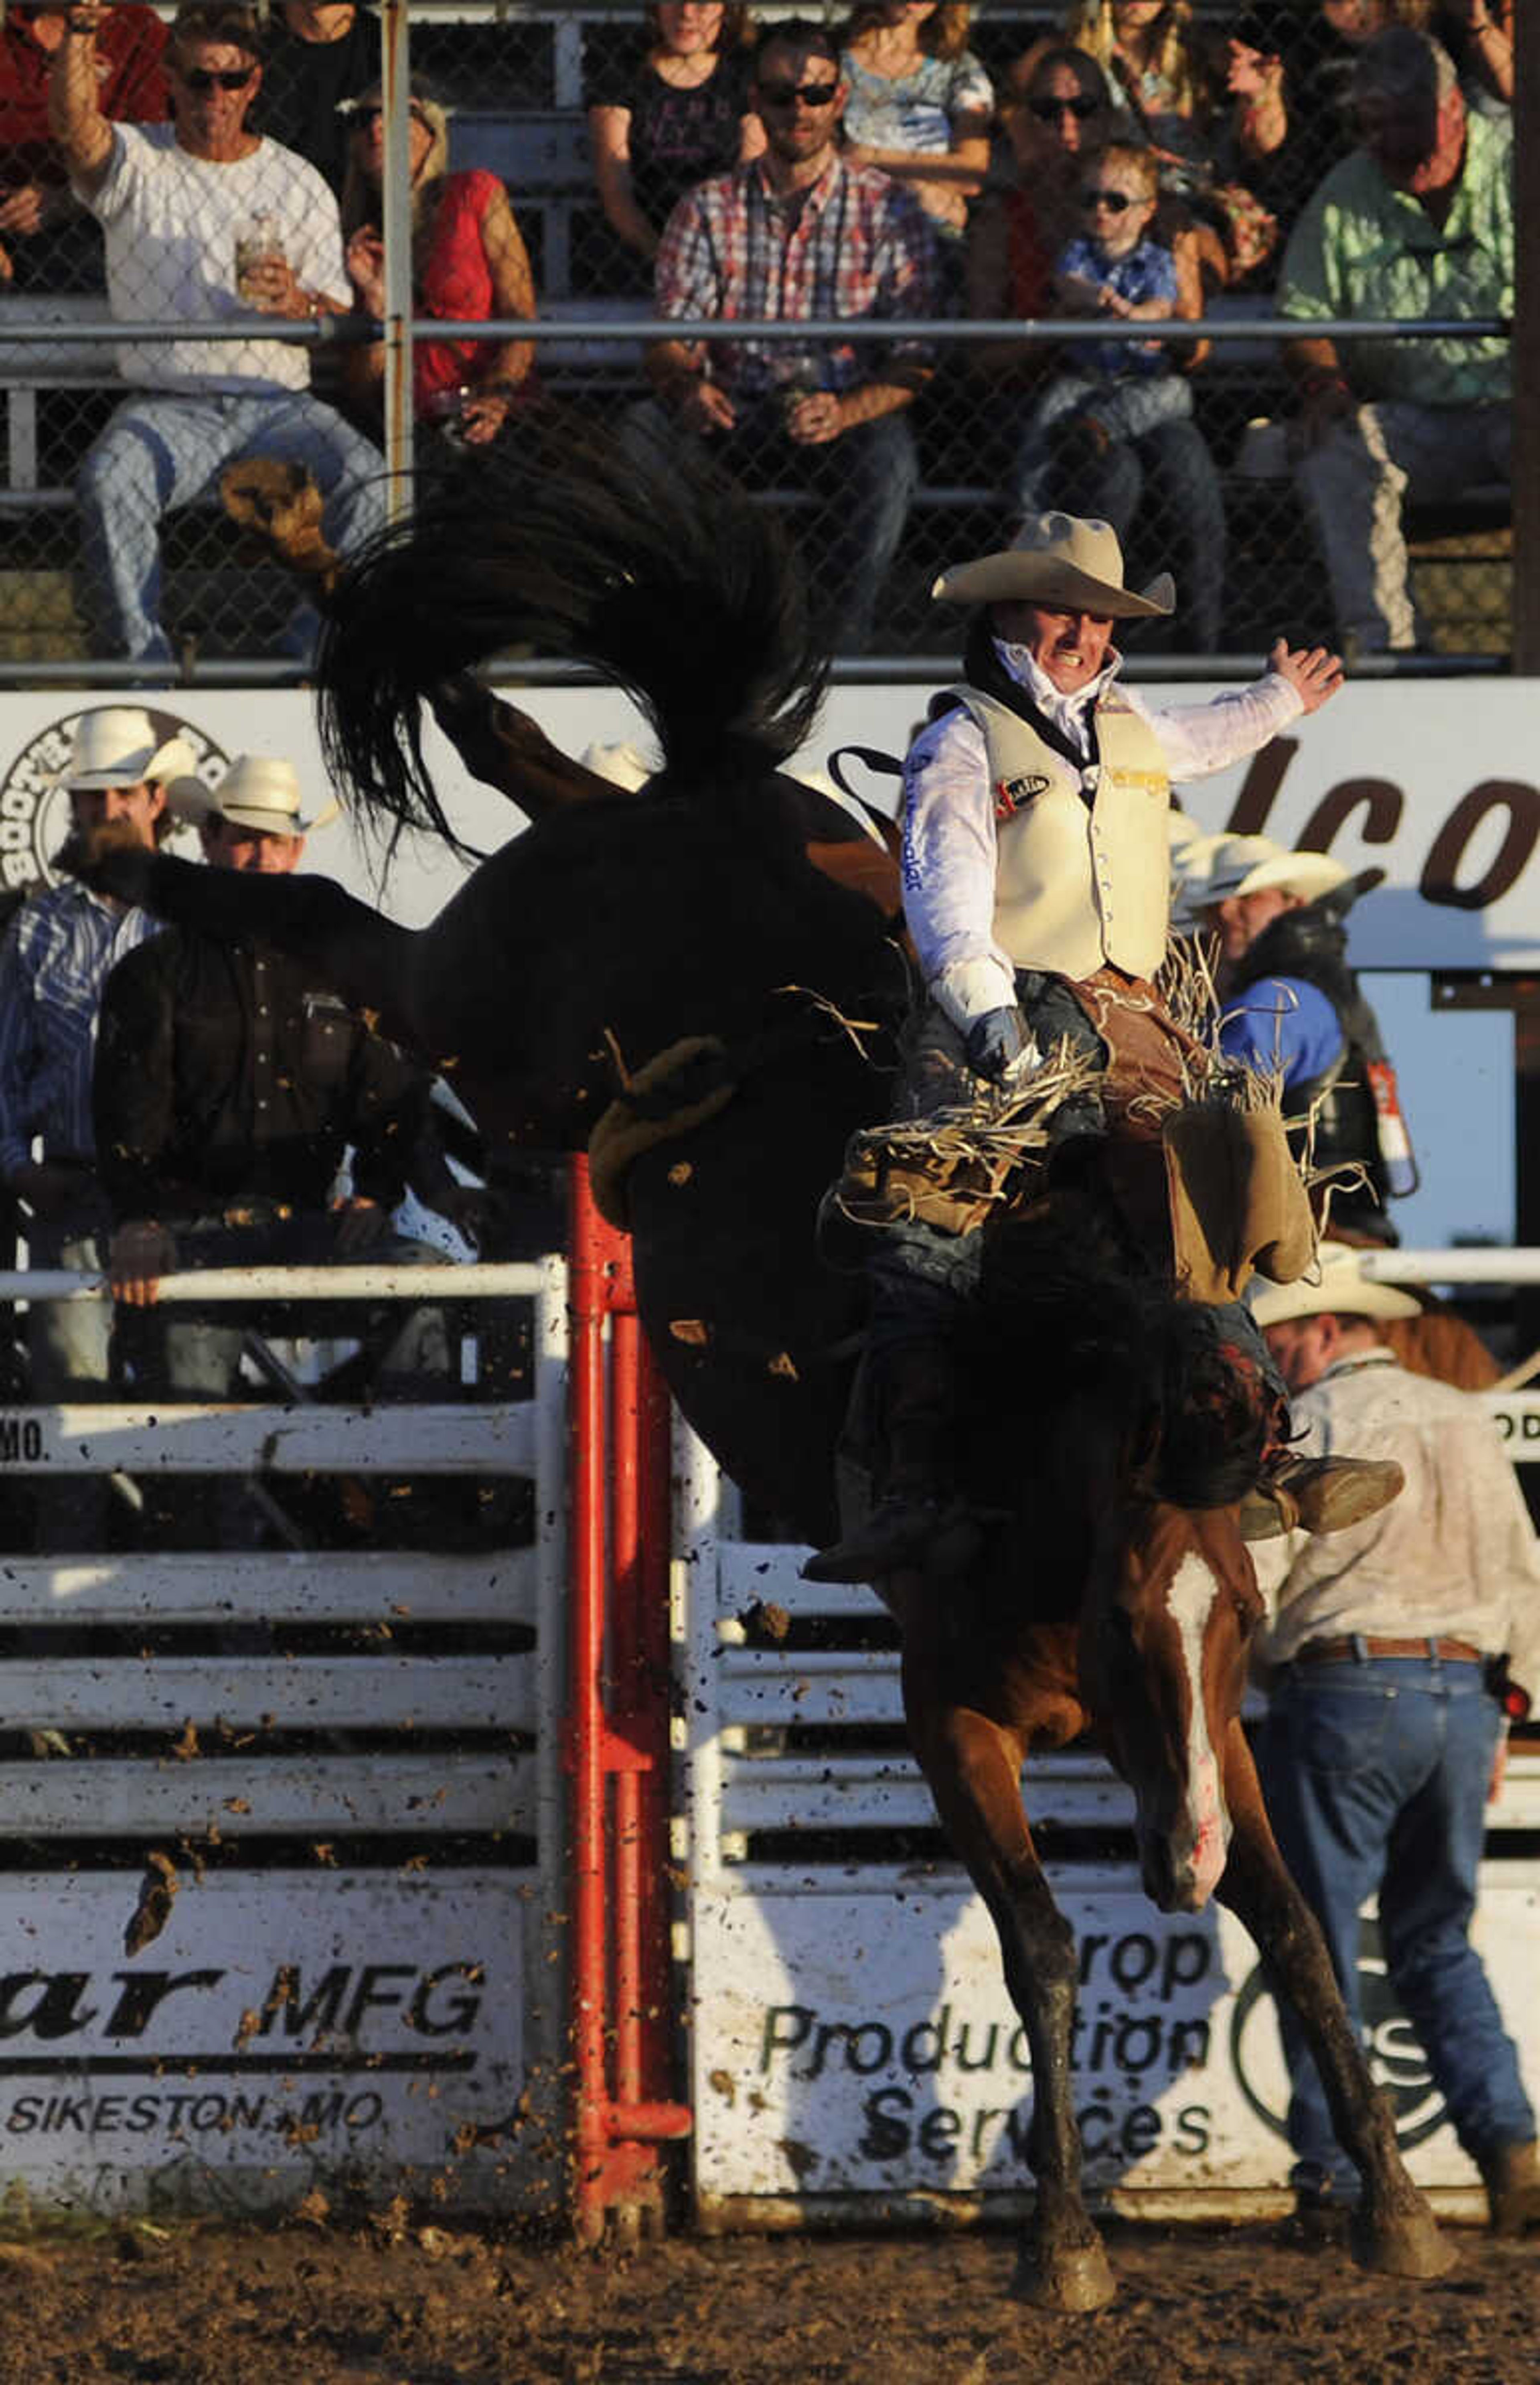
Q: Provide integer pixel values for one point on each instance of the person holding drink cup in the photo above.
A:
(468, 263)
(203, 220)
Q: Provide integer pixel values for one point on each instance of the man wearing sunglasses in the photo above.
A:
(800, 235)
(1418, 221)
(205, 222)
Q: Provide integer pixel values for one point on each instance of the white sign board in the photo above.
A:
(863, 2044)
(282, 2030)
(1435, 782)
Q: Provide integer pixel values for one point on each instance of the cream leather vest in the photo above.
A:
(1078, 884)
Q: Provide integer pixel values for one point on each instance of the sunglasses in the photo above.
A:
(218, 77)
(786, 95)
(366, 119)
(1117, 203)
(1048, 111)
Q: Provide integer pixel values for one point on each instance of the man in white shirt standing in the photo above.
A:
(203, 221)
(1395, 1655)
(1037, 890)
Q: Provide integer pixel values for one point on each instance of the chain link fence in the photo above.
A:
(117, 549)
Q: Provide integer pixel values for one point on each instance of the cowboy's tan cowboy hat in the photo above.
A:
(1254, 865)
(120, 746)
(1060, 561)
(1337, 1286)
(258, 790)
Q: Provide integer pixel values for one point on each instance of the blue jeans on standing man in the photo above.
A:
(1376, 1772)
(165, 448)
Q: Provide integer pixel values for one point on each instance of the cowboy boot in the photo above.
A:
(1511, 2176)
(918, 1401)
(1317, 1495)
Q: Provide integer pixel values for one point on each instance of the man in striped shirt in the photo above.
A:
(54, 962)
(799, 235)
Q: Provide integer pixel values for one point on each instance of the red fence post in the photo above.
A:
(617, 1727)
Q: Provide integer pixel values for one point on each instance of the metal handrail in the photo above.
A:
(357, 329)
(510, 1279)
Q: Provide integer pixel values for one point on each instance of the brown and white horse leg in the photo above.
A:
(1395, 2232)
(972, 1766)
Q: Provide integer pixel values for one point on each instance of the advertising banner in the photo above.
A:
(1435, 783)
(863, 2044)
(276, 2029)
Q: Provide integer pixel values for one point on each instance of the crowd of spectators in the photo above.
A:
(1143, 159)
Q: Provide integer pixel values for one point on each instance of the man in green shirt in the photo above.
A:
(1416, 223)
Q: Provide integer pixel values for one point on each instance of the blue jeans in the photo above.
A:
(1126, 406)
(162, 450)
(1375, 1775)
(862, 485)
(198, 1357)
(1158, 477)
(70, 1348)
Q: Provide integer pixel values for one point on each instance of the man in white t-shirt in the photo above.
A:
(204, 222)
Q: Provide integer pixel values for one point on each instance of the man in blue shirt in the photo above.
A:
(1291, 1002)
(54, 962)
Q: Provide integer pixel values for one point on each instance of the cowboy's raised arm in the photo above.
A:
(1199, 739)
(75, 116)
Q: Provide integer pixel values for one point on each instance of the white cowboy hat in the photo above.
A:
(1057, 559)
(258, 790)
(120, 746)
(1189, 847)
(1340, 1289)
(1251, 865)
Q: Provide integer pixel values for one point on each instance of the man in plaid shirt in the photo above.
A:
(802, 236)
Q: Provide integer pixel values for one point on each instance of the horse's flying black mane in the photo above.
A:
(652, 568)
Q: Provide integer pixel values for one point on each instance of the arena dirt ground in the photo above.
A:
(440, 2305)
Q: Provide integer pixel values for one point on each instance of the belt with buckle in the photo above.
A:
(1344, 1651)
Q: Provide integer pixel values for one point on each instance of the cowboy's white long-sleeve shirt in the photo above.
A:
(948, 820)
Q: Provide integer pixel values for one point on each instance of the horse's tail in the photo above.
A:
(649, 565)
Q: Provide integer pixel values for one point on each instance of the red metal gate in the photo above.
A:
(617, 1732)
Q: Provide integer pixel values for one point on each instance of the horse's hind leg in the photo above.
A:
(1394, 2230)
(972, 1766)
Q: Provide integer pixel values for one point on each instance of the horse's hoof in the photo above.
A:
(1403, 2244)
(1064, 2277)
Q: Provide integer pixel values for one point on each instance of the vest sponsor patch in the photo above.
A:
(1010, 794)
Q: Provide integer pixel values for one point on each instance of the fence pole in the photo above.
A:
(619, 1577)
(396, 91)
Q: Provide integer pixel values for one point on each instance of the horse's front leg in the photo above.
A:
(1395, 2230)
(972, 1764)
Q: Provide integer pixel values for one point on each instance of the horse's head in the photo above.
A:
(1163, 1659)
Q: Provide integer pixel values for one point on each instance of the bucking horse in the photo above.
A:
(704, 962)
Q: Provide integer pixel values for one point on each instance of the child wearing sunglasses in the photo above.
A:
(1113, 266)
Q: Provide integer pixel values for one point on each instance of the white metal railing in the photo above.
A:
(355, 1995)
(370, 1590)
